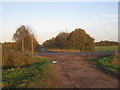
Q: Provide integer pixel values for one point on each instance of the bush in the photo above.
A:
(14, 59)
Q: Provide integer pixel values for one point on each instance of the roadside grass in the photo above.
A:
(47, 80)
(35, 75)
(62, 50)
(106, 48)
(111, 63)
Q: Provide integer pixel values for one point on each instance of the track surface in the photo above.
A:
(75, 72)
(74, 53)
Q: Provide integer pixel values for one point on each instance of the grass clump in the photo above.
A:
(108, 62)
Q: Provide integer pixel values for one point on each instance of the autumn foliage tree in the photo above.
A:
(77, 39)
(27, 35)
(57, 42)
(12, 56)
(61, 40)
(50, 43)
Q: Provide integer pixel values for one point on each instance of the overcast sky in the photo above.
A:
(47, 19)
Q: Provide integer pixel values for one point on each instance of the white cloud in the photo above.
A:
(110, 16)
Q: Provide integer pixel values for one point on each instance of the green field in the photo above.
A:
(36, 75)
(106, 48)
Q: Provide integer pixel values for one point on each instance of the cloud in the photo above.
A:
(110, 16)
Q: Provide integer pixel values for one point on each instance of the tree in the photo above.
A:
(61, 40)
(79, 39)
(27, 35)
(50, 43)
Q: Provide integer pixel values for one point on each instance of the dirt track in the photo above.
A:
(75, 72)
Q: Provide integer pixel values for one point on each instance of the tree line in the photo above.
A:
(106, 43)
(77, 39)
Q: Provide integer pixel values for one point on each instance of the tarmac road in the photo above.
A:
(73, 53)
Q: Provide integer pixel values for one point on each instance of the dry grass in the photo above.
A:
(63, 50)
(117, 60)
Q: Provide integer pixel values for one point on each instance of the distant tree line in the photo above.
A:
(106, 43)
(77, 39)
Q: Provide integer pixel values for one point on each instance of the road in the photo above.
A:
(75, 72)
(73, 53)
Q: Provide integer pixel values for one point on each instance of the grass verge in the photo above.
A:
(110, 63)
(36, 75)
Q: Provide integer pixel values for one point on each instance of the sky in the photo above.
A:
(47, 19)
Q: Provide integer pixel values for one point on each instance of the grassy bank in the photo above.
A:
(109, 62)
(106, 48)
(36, 75)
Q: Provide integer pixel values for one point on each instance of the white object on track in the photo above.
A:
(54, 61)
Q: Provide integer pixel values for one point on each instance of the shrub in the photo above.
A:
(11, 58)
